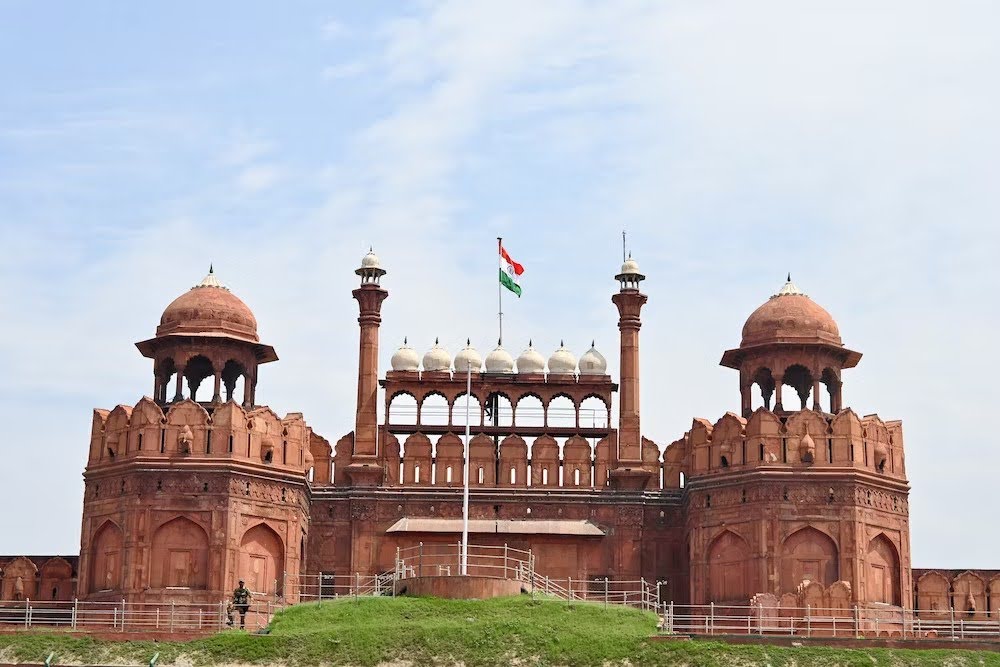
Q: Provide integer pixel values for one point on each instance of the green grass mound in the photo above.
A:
(428, 631)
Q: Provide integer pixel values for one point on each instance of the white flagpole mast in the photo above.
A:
(465, 477)
(500, 288)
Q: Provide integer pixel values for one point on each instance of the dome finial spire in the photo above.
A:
(789, 278)
(211, 268)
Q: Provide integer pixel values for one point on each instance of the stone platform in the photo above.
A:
(458, 587)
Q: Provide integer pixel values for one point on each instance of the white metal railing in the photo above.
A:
(124, 616)
(436, 559)
(877, 620)
(526, 416)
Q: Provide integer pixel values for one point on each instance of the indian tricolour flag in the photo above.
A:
(510, 272)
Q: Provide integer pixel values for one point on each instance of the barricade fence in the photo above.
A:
(504, 562)
(857, 621)
(125, 616)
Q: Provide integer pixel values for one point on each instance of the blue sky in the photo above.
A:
(853, 145)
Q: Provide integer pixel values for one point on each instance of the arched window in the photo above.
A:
(403, 409)
(434, 410)
(197, 369)
(562, 412)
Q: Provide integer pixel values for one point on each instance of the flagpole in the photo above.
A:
(465, 477)
(500, 289)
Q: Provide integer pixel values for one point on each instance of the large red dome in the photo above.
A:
(208, 309)
(790, 317)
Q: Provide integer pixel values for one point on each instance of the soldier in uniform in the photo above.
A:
(241, 600)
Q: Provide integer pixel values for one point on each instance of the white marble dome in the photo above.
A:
(593, 362)
(562, 361)
(499, 361)
(630, 266)
(437, 358)
(405, 359)
(468, 355)
(370, 261)
(530, 361)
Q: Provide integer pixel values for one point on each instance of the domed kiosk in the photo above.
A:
(206, 332)
(790, 340)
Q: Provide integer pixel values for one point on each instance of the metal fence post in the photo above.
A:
(670, 618)
(952, 609)
(27, 613)
(605, 592)
(76, 604)
(357, 585)
(857, 623)
(504, 560)
(172, 616)
(808, 620)
(123, 615)
(571, 589)
(420, 559)
(114, 619)
(642, 593)
(711, 618)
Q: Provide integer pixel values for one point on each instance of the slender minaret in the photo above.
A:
(629, 473)
(364, 469)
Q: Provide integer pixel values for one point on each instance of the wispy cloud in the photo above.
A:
(852, 145)
(343, 71)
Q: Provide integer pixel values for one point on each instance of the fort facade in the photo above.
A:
(794, 499)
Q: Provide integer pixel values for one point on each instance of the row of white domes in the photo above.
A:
(562, 361)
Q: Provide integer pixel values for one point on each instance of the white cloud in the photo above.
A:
(343, 71)
(257, 178)
(334, 29)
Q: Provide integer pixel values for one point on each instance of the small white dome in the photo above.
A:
(437, 358)
(562, 361)
(630, 266)
(530, 361)
(405, 359)
(593, 362)
(469, 355)
(370, 261)
(499, 361)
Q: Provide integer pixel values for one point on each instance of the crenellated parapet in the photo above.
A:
(801, 440)
(200, 435)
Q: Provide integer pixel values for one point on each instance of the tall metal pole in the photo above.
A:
(465, 476)
(500, 288)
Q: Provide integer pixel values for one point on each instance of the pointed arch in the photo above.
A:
(811, 554)
(729, 569)
(106, 558)
(262, 560)
(178, 557)
(933, 595)
(882, 576)
(56, 579)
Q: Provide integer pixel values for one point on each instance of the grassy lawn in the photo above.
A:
(427, 631)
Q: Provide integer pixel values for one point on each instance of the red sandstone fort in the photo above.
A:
(794, 496)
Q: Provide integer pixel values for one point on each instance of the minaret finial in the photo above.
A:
(211, 268)
(435, 340)
(592, 341)
(529, 342)
(404, 340)
(468, 342)
(789, 278)
(561, 343)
